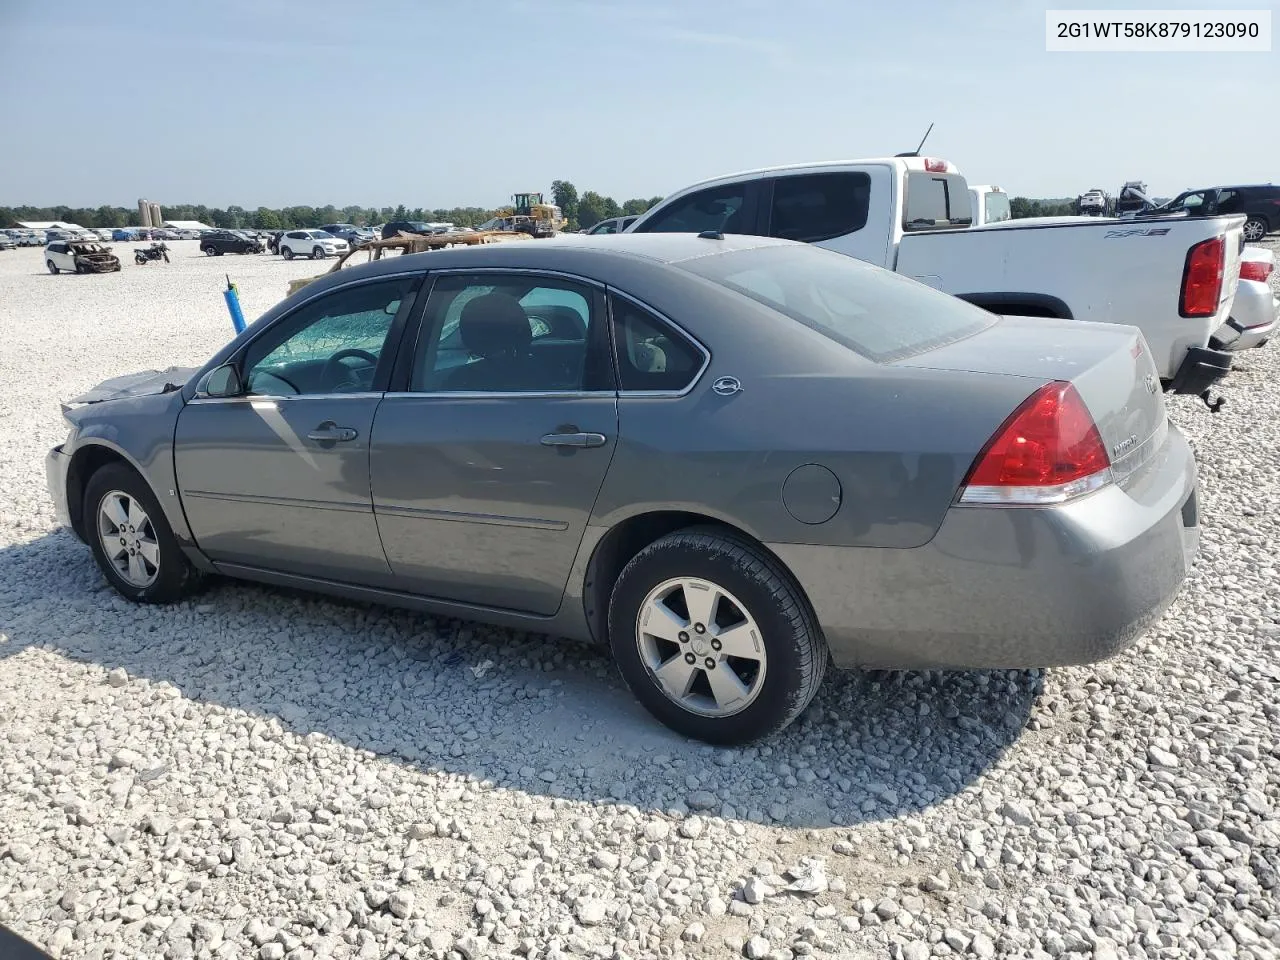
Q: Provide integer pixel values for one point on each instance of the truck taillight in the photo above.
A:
(1048, 451)
(932, 165)
(1255, 270)
(1202, 278)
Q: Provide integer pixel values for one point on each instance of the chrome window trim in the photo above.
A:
(291, 397)
(497, 394)
(536, 271)
(698, 344)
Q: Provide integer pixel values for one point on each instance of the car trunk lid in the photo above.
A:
(1111, 369)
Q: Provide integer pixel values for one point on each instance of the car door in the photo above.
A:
(486, 466)
(277, 476)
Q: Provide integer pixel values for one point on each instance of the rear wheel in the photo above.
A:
(131, 540)
(53, 267)
(714, 637)
(286, 252)
(1255, 228)
(209, 251)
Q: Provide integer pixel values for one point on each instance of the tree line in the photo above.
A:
(581, 212)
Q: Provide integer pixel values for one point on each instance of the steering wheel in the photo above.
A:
(335, 374)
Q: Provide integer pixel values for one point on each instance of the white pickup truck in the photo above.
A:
(1173, 278)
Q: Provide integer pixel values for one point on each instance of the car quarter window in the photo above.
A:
(510, 333)
(332, 344)
(716, 208)
(652, 355)
(818, 206)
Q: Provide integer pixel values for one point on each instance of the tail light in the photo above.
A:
(1202, 278)
(1048, 451)
(1255, 270)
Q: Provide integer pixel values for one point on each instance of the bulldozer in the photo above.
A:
(530, 214)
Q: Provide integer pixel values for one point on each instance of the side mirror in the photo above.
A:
(223, 381)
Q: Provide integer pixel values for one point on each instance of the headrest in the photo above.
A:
(495, 325)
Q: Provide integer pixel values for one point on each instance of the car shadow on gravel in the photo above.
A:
(529, 712)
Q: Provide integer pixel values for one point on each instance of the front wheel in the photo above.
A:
(131, 540)
(317, 253)
(53, 267)
(714, 637)
(1255, 228)
(286, 252)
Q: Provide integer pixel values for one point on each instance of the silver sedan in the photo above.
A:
(732, 459)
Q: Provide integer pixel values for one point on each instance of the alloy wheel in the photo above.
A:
(701, 646)
(128, 539)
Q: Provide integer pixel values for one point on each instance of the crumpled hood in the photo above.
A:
(134, 385)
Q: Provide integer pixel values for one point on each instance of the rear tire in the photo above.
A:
(209, 251)
(121, 512)
(53, 267)
(1255, 228)
(755, 606)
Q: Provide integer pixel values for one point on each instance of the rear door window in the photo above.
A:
(652, 355)
(878, 314)
(997, 207)
(819, 206)
(716, 208)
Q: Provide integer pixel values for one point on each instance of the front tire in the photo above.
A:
(131, 540)
(286, 252)
(1255, 228)
(714, 637)
(317, 253)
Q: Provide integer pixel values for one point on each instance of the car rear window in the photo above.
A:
(874, 312)
(936, 200)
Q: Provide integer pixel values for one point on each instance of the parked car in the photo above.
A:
(989, 204)
(450, 432)
(79, 256)
(1255, 310)
(612, 225)
(123, 234)
(187, 233)
(6, 241)
(315, 244)
(218, 242)
(353, 235)
(405, 226)
(1173, 278)
(1259, 203)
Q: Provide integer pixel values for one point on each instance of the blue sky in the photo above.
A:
(437, 104)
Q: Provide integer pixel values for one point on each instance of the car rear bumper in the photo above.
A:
(1005, 588)
(56, 465)
(1254, 316)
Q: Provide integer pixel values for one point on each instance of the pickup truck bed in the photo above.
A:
(1110, 271)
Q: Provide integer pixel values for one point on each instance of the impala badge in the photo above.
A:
(1125, 445)
(727, 386)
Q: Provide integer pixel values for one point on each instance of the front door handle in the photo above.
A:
(574, 440)
(330, 432)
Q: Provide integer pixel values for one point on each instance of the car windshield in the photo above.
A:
(320, 235)
(876, 313)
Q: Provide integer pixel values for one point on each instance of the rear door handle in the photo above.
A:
(332, 433)
(574, 440)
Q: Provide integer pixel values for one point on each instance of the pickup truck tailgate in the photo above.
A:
(1109, 365)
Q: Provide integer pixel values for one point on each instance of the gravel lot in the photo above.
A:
(262, 774)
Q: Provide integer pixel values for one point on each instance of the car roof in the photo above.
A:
(570, 253)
